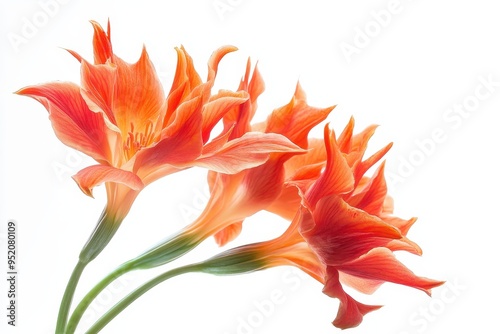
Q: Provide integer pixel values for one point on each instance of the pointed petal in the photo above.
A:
(336, 178)
(215, 58)
(241, 116)
(350, 312)
(98, 83)
(401, 224)
(296, 119)
(73, 122)
(138, 97)
(341, 233)
(102, 43)
(250, 150)
(185, 80)
(371, 198)
(345, 137)
(381, 264)
(92, 176)
(218, 106)
(404, 244)
(362, 167)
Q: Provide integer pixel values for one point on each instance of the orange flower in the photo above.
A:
(237, 196)
(120, 117)
(343, 233)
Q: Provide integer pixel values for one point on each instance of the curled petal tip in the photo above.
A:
(87, 191)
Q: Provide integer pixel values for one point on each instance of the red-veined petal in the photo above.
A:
(337, 177)
(73, 122)
(381, 264)
(341, 233)
(350, 312)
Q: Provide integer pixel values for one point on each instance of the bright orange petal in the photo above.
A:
(92, 176)
(218, 106)
(250, 150)
(240, 117)
(98, 83)
(350, 312)
(371, 198)
(337, 177)
(185, 80)
(296, 119)
(341, 233)
(381, 264)
(215, 58)
(73, 122)
(102, 43)
(181, 142)
(138, 97)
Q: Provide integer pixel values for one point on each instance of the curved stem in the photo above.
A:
(92, 294)
(68, 296)
(130, 298)
(163, 253)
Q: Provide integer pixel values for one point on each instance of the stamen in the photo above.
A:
(136, 141)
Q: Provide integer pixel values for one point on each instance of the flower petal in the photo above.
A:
(350, 312)
(181, 142)
(341, 233)
(250, 150)
(73, 122)
(98, 83)
(381, 264)
(102, 43)
(92, 176)
(218, 106)
(241, 116)
(371, 198)
(337, 177)
(185, 80)
(296, 119)
(138, 96)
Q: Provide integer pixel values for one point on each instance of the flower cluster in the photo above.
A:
(341, 232)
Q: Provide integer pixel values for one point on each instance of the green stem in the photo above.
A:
(161, 254)
(130, 298)
(68, 296)
(92, 294)
(238, 260)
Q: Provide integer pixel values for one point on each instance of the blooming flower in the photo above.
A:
(121, 117)
(234, 197)
(341, 234)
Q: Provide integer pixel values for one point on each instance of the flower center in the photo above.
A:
(137, 140)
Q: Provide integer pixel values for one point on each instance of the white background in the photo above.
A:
(425, 59)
